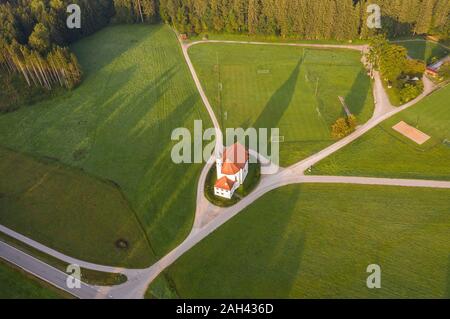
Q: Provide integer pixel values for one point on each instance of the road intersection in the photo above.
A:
(209, 217)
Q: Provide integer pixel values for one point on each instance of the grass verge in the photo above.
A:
(18, 284)
(88, 276)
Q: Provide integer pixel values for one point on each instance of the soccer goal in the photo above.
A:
(277, 139)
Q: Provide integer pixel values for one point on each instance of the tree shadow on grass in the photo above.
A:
(133, 108)
(419, 51)
(140, 130)
(279, 102)
(357, 96)
(247, 258)
(286, 250)
(41, 128)
(115, 40)
(438, 52)
(161, 174)
(395, 27)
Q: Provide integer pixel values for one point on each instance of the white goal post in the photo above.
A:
(277, 139)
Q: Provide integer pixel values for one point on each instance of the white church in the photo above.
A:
(232, 169)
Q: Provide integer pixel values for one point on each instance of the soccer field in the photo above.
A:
(316, 241)
(383, 152)
(117, 125)
(293, 89)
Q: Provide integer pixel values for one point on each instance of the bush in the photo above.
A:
(343, 127)
(444, 71)
(15, 92)
(411, 91)
(414, 68)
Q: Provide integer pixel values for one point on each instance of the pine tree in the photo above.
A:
(40, 38)
(423, 24)
(253, 14)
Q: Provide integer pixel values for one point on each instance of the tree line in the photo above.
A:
(136, 11)
(34, 37)
(400, 73)
(306, 19)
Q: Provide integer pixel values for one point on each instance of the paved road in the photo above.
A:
(57, 254)
(209, 217)
(45, 272)
(376, 181)
(205, 211)
(383, 111)
(267, 184)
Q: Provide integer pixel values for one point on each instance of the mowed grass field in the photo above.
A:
(293, 89)
(424, 50)
(69, 210)
(316, 241)
(117, 126)
(17, 284)
(382, 152)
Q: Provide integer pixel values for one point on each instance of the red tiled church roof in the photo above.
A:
(225, 183)
(234, 159)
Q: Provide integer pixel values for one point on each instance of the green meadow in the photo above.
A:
(116, 126)
(17, 284)
(69, 211)
(382, 152)
(424, 50)
(291, 88)
(316, 241)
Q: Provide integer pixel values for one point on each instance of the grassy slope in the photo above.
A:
(316, 241)
(69, 211)
(88, 276)
(385, 153)
(424, 50)
(17, 284)
(117, 125)
(258, 91)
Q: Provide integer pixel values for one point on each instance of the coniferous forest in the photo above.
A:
(306, 19)
(34, 39)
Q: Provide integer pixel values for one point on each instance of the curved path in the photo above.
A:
(56, 254)
(45, 272)
(209, 217)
